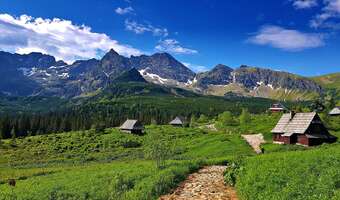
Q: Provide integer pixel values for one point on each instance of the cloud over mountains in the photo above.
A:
(286, 39)
(57, 37)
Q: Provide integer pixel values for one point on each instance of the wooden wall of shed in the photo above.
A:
(277, 137)
(302, 139)
(287, 140)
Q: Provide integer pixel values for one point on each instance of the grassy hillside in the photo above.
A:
(108, 165)
(312, 174)
(290, 171)
(261, 91)
(331, 81)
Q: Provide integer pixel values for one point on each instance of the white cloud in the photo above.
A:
(329, 11)
(58, 37)
(332, 6)
(139, 28)
(173, 46)
(304, 4)
(286, 39)
(196, 68)
(123, 11)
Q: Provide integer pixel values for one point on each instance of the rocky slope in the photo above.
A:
(259, 82)
(20, 73)
(39, 74)
(219, 75)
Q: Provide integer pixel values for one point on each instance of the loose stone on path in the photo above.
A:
(206, 184)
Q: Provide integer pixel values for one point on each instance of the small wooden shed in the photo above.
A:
(132, 126)
(335, 111)
(301, 128)
(178, 121)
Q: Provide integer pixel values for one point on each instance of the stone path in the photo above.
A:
(206, 184)
(255, 141)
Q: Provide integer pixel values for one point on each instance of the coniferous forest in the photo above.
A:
(111, 112)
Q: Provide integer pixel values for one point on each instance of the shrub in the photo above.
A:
(119, 186)
(203, 119)
(232, 171)
(158, 148)
(224, 120)
(244, 117)
(131, 144)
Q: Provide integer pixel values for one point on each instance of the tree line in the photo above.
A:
(112, 113)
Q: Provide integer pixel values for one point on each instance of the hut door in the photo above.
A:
(293, 139)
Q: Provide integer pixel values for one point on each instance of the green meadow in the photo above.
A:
(109, 164)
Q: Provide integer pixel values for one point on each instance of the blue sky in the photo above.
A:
(299, 36)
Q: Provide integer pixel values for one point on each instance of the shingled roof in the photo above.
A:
(177, 121)
(277, 106)
(131, 124)
(298, 124)
(281, 125)
(335, 111)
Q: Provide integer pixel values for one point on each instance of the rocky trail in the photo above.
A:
(206, 184)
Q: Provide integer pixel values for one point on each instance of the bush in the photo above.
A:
(224, 120)
(245, 117)
(131, 144)
(230, 174)
(203, 119)
(158, 148)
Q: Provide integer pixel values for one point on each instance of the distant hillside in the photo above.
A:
(330, 81)
(256, 82)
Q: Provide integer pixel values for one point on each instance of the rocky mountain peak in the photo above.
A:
(131, 75)
(163, 55)
(221, 67)
(219, 75)
(112, 54)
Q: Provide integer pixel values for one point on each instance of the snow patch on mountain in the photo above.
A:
(153, 77)
(64, 75)
(25, 71)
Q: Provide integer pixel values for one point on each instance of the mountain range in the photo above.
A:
(37, 74)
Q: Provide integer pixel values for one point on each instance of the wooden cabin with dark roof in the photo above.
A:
(301, 128)
(178, 121)
(132, 126)
(335, 111)
(277, 107)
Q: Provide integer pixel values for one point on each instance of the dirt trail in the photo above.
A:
(206, 184)
(255, 141)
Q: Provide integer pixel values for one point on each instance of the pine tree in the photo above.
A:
(13, 133)
(203, 119)
(224, 120)
(245, 117)
(193, 121)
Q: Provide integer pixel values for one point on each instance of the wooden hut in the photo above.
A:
(301, 128)
(132, 126)
(178, 121)
(335, 111)
(277, 107)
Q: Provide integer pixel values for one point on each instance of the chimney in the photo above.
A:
(292, 114)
